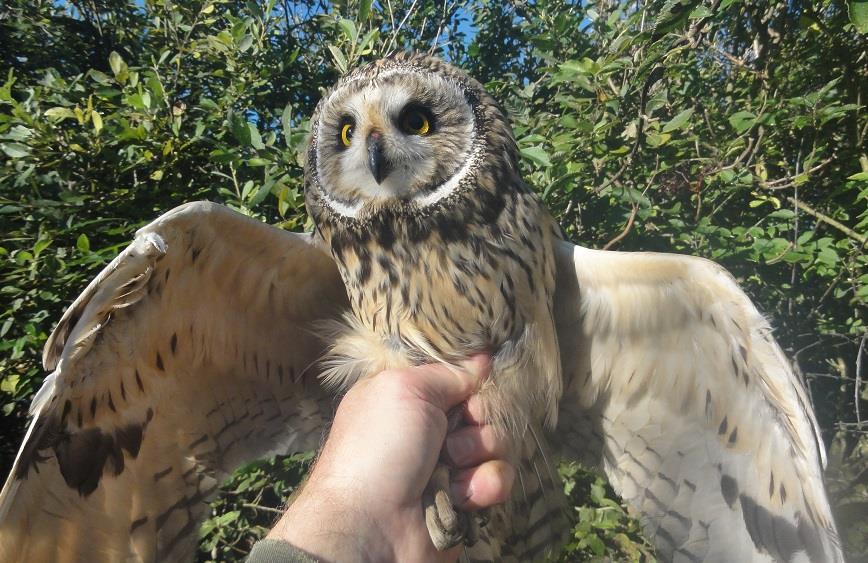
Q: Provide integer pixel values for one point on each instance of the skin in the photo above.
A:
(352, 510)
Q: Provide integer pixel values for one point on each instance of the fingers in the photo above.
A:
(484, 485)
(474, 411)
(446, 387)
(472, 445)
(484, 477)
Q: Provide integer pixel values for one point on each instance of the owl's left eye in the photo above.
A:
(415, 120)
(346, 135)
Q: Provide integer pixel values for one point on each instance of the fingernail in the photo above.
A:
(459, 448)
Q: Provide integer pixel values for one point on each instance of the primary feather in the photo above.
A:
(187, 356)
(677, 389)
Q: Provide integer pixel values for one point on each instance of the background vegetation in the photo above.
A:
(725, 128)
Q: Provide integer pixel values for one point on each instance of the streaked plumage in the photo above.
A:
(195, 351)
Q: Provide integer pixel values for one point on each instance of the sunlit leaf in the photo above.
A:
(741, 121)
(339, 58)
(537, 154)
(678, 121)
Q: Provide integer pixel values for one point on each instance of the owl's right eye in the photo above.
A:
(346, 136)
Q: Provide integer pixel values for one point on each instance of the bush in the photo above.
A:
(732, 130)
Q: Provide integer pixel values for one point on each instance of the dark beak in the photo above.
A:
(377, 163)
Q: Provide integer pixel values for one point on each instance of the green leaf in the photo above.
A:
(678, 121)
(19, 133)
(96, 119)
(859, 177)
(658, 139)
(135, 101)
(15, 150)
(349, 29)
(339, 57)
(538, 155)
(245, 43)
(700, 12)
(782, 214)
(369, 38)
(118, 66)
(741, 121)
(255, 137)
(260, 194)
(859, 14)
(246, 189)
(596, 544)
(156, 87)
(99, 77)
(364, 9)
(10, 382)
(239, 128)
(59, 113)
(82, 243)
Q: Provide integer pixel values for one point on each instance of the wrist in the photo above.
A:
(327, 524)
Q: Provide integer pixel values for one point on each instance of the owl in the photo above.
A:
(214, 339)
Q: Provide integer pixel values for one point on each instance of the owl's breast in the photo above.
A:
(477, 287)
(452, 300)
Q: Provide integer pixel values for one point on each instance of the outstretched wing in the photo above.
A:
(184, 358)
(676, 387)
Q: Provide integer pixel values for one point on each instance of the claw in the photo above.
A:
(447, 525)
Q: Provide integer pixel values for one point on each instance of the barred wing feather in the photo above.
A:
(677, 389)
(186, 357)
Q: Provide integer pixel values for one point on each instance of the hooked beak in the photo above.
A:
(377, 163)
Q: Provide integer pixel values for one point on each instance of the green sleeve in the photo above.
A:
(276, 551)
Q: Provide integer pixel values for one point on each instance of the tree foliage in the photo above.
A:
(729, 129)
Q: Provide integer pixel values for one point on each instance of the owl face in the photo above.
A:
(394, 131)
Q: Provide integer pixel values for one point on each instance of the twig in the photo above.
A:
(626, 230)
(736, 61)
(439, 30)
(260, 507)
(391, 14)
(789, 181)
(795, 233)
(828, 220)
(653, 76)
(395, 31)
(856, 397)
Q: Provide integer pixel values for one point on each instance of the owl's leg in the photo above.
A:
(447, 525)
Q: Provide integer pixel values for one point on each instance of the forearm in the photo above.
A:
(332, 529)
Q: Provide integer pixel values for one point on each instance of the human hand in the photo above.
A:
(363, 500)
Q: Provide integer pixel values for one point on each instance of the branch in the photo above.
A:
(626, 230)
(857, 398)
(789, 181)
(653, 76)
(736, 61)
(828, 220)
(260, 507)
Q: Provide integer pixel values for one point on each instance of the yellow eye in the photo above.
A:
(415, 122)
(346, 134)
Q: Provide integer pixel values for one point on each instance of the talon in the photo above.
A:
(447, 526)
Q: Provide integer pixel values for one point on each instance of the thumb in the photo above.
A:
(446, 386)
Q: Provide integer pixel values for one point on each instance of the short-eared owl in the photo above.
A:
(195, 351)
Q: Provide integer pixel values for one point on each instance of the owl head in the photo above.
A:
(406, 132)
